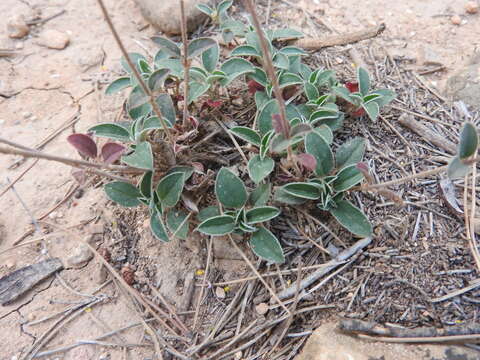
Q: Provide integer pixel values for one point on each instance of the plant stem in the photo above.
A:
(92, 167)
(405, 179)
(186, 63)
(144, 87)
(268, 65)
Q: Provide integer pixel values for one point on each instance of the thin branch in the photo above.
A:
(132, 66)
(270, 290)
(268, 65)
(186, 62)
(92, 167)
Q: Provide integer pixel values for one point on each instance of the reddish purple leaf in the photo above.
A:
(111, 152)
(363, 167)
(352, 86)
(254, 86)
(308, 161)
(194, 121)
(84, 144)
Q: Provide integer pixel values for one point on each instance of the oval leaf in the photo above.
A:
(372, 109)
(158, 227)
(167, 45)
(302, 190)
(317, 146)
(123, 193)
(118, 85)
(282, 196)
(217, 226)
(210, 58)
(308, 161)
(111, 131)
(230, 190)
(260, 195)
(457, 169)
(347, 178)
(84, 144)
(247, 134)
(111, 152)
(177, 224)
(167, 109)
(198, 46)
(235, 67)
(259, 168)
(170, 188)
(261, 214)
(350, 152)
(244, 50)
(156, 80)
(352, 218)
(363, 81)
(141, 158)
(468, 141)
(265, 245)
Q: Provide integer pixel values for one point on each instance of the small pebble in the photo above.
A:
(31, 317)
(262, 308)
(27, 115)
(220, 292)
(54, 39)
(471, 7)
(17, 27)
(238, 355)
(33, 118)
(456, 20)
(80, 257)
(238, 101)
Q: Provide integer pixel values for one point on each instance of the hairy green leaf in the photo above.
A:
(468, 141)
(230, 190)
(247, 134)
(165, 103)
(167, 45)
(170, 188)
(457, 169)
(210, 58)
(156, 80)
(350, 152)
(196, 89)
(352, 218)
(208, 212)
(245, 50)
(141, 158)
(347, 178)
(145, 185)
(235, 67)
(118, 85)
(261, 214)
(363, 81)
(199, 45)
(134, 57)
(265, 245)
(111, 131)
(372, 110)
(259, 168)
(302, 190)
(205, 9)
(217, 226)
(123, 193)
(158, 227)
(260, 195)
(317, 146)
(177, 224)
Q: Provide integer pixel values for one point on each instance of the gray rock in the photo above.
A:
(465, 84)
(54, 39)
(165, 15)
(80, 256)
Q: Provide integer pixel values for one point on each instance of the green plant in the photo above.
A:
(334, 176)
(241, 215)
(291, 153)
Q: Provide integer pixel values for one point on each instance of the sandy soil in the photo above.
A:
(44, 89)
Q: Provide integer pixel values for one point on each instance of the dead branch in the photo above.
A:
(342, 39)
(426, 133)
(416, 335)
(332, 264)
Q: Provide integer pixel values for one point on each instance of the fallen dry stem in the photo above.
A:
(268, 65)
(270, 290)
(186, 62)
